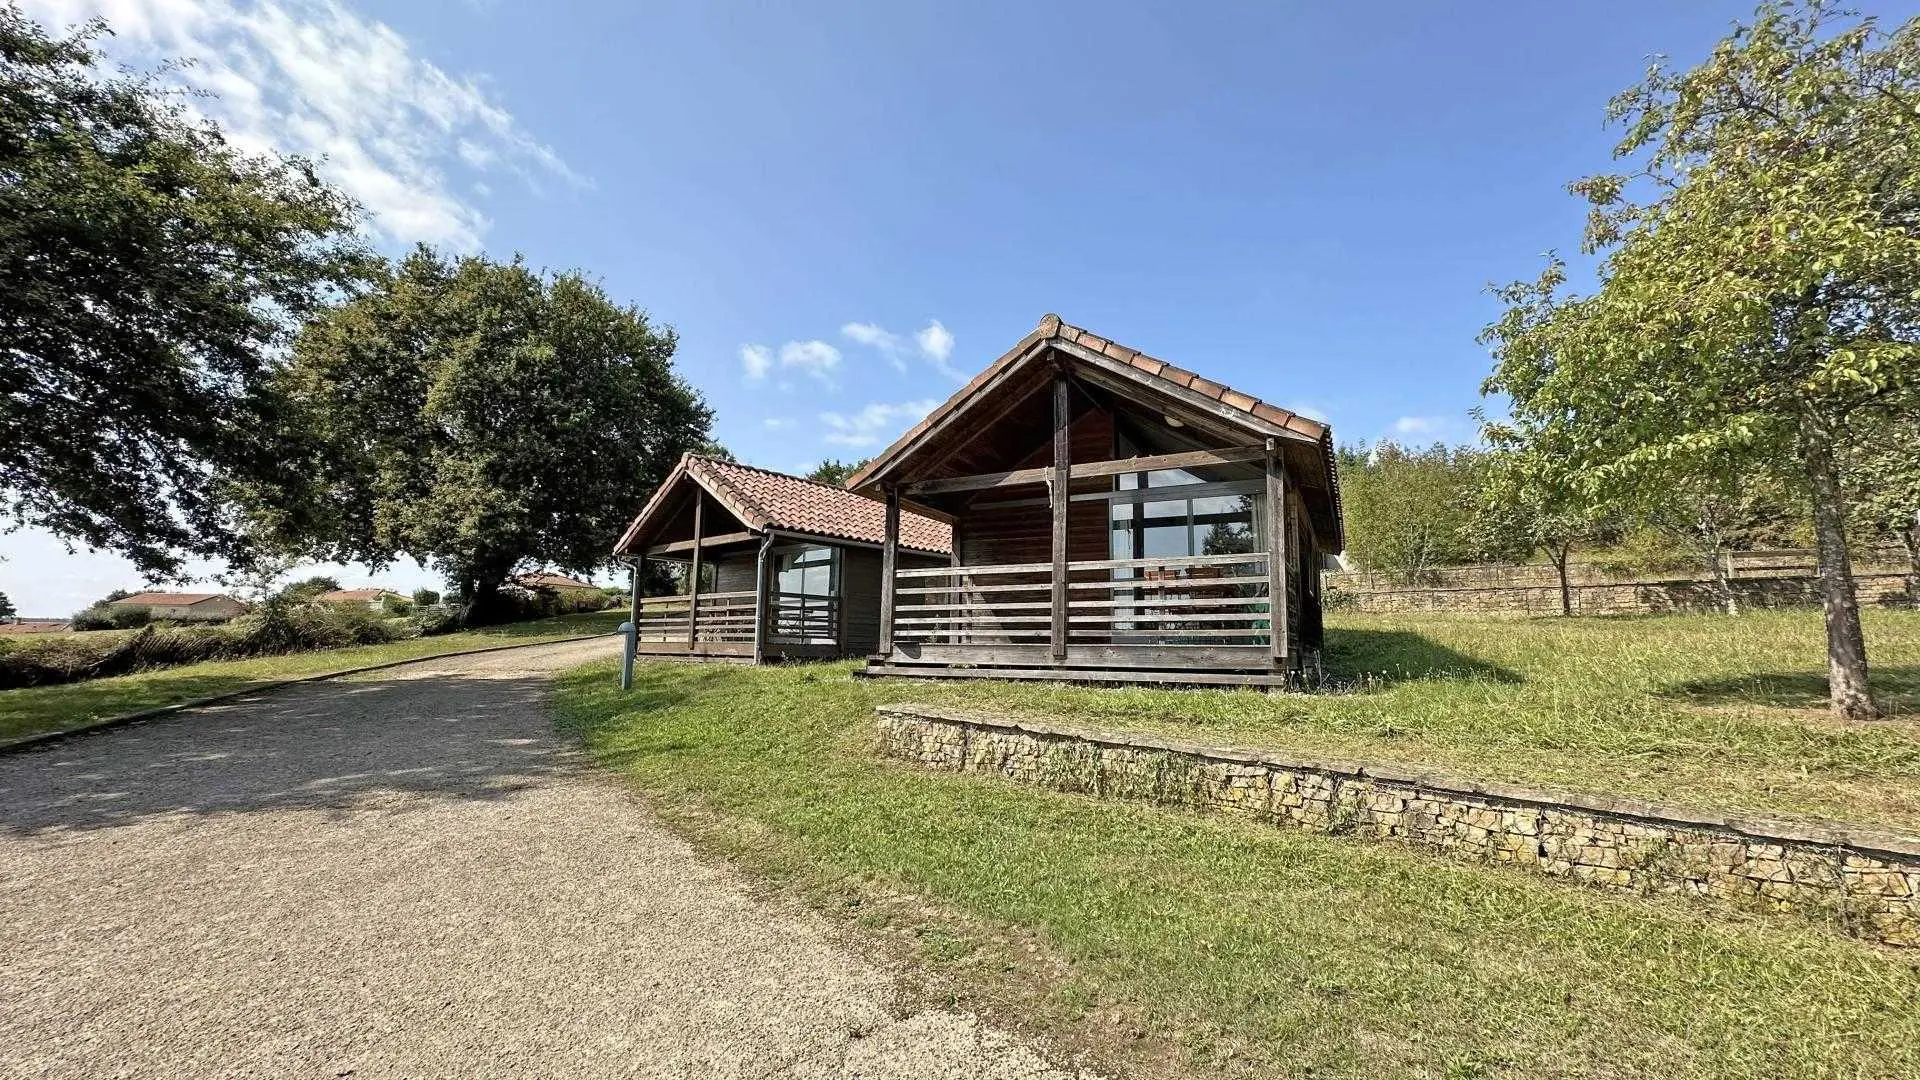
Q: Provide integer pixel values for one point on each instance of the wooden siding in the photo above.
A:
(1024, 534)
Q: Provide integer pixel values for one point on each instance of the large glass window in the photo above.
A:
(807, 571)
(1176, 513)
(806, 583)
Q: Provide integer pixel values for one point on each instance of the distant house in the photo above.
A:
(541, 579)
(374, 599)
(184, 607)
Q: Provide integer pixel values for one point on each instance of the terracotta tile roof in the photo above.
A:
(1052, 328)
(541, 579)
(348, 596)
(764, 499)
(169, 599)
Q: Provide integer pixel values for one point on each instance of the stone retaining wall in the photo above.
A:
(1867, 883)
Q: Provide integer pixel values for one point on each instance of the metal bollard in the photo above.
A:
(628, 639)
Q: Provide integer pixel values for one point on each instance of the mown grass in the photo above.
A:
(1159, 940)
(34, 710)
(1705, 711)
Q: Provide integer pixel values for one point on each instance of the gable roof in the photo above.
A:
(344, 596)
(763, 499)
(171, 599)
(1242, 409)
(543, 579)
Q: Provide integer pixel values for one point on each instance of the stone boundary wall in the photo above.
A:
(1535, 590)
(1866, 883)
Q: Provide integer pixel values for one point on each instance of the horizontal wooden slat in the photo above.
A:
(1170, 562)
(1088, 675)
(1190, 459)
(706, 542)
(968, 571)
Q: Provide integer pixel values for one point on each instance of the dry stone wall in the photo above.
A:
(1866, 883)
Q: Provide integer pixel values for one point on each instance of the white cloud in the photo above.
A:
(816, 358)
(311, 77)
(932, 343)
(936, 341)
(776, 423)
(1418, 425)
(876, 337)
(1307, 409)
(757, 360)
(866, 427)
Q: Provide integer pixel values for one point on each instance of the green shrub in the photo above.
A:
(94, 617)
(433, 619)
(128, 617)
(278, 627)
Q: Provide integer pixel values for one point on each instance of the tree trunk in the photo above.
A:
(1560, 555)
(1910, 537)
(1847, 690)
(1723, 581)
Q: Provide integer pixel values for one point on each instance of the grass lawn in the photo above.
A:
(37, 709)
(1164, 940)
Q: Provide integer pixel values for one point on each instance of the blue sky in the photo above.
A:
(845, 209)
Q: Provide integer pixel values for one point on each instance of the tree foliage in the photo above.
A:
(1406, 509)
(7, 611)
(1524, 504)
(834, 471)
(478, 416)
(1759, 283)
(149, 272)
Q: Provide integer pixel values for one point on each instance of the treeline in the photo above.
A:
(203, 358)
(1413, 509)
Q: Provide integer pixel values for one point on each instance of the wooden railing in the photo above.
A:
(723, 617)
(796, 617)
(1195, 599)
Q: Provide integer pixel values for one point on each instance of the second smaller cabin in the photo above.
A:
(783, 568)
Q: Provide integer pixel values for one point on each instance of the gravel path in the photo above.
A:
(408, 875)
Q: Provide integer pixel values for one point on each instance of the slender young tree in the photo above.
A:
(1759, 282)
(1525, 504)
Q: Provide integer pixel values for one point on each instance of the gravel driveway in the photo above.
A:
(408, 875)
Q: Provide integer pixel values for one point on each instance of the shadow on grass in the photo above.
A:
(1372, 658)
(1897, 688)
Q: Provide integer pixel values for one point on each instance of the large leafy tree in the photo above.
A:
(479, 416)
(149, 274)
(1759, 287)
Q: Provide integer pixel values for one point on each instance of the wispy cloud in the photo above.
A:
(757, 360)
(1418, 425)
(932, 344)
(868, 426)
(313, 78)
(816, 358)
(776, 423)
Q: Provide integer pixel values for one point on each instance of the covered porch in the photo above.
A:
(1110, 525)
(766, 580)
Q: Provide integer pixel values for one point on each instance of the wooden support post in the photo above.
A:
(693, 572)
(760, 602)
(1058, 493)
(889, 562)
(637, 571)
(1278, 580)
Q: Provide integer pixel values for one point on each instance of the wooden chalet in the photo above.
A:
(785, 568)
(1115, 519)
